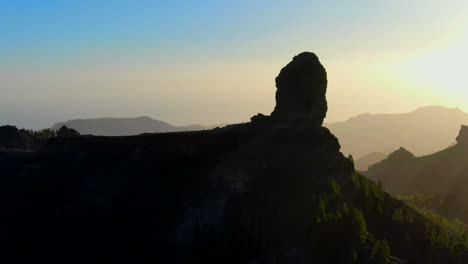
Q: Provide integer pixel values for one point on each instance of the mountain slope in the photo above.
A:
(364, 162)
(423, 131)
(444, 174)
(122, 126)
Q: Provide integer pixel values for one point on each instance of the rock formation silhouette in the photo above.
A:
(462, 137)
(274, 190)
(301, 88)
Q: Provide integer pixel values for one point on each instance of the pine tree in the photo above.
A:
(380, 253)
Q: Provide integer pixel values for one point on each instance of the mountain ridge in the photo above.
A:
(124, 126)
(420, 109)
(423, 131)
(442, 174)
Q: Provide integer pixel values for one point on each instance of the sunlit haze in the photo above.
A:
(209, 62)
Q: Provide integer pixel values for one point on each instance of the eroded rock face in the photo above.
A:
(301, 88)
(463, 135)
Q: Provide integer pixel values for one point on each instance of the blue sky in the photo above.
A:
(54, 29)
(176, 60)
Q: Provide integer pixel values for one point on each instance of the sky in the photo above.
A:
(215, 61)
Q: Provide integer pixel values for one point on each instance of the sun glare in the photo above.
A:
(444, 71)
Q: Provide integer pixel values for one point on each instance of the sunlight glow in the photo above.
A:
(444, 71)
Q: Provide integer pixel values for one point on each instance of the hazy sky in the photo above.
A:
(215, 61)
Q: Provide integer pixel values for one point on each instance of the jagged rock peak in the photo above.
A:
(301, 88)
(463, 135)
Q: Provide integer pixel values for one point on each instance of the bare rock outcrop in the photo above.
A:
(462, 137)
(301, 88)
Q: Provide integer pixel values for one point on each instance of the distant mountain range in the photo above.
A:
(423, 131)
(124, 126)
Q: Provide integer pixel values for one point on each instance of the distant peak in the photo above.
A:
(400, 154)
(434, 108)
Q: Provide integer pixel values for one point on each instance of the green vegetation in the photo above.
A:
(436, 182)
(41, 135)
(44, 135)
(351, 222)
(380, 253)
(441, 232)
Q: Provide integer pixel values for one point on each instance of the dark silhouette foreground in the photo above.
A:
(274, 190)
